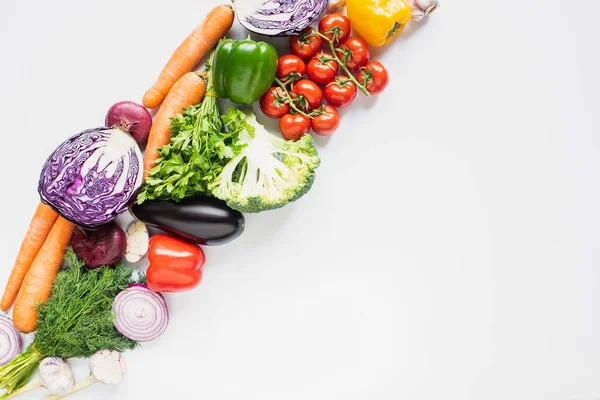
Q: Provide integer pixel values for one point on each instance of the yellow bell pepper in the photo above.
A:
(378, 21)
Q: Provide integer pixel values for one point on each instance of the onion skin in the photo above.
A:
(103, 246)
(132, 117)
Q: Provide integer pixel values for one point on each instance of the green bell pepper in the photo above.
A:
(244, 69)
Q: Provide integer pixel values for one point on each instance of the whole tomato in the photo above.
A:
(306, 44)
(356, 52)
(307, 94)
(273, 103)
(374, 76)
(340, 92)
(290, 64)
(293, 126)
(326, 123)
(336, 27)
(321, 68)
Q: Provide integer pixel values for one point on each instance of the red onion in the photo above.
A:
(10, 340)
(141, 314)
(102, 246)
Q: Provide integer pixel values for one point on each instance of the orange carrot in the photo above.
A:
(37, 285)
(39, 227)
(186, 92)
(189, 53)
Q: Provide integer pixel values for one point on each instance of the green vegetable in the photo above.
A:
(268, 172)
(196, 154)
(76, 321)
(244, 70)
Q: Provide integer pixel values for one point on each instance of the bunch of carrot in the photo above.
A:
(178, 88)
(36, 266)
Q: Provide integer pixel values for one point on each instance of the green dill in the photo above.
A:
(76, 321)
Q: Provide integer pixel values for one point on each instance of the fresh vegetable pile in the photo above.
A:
(74, 281)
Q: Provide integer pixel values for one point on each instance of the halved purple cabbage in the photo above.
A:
(91, 177)
(278, 17)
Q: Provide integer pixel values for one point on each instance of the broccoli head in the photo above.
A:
(269, 172)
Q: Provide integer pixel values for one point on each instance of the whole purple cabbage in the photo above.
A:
(278, 17)
(91, 177)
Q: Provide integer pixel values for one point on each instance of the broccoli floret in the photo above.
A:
(269, 172)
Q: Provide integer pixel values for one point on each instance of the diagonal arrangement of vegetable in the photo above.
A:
(199, 172)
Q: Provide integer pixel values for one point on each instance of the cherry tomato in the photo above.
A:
(293, 126)
(340, 92)
(320, 69)
(325, 124)
(310, 94)
(335, 25)
(290, 64)
(358, 53)
(305, 45)
(374, 76)
(273, 103)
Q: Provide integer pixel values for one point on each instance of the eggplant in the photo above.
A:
(201, 220)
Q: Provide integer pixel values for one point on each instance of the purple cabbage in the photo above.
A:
(278, 17)
(91, 177)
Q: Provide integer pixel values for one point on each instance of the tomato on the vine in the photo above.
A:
(357, 52)
(327, 122)
(374, 76)
(305, 45)
(308, 94)
(336, 27)
(321, 68)
(273, 103)
(340, 92)
(293, 126)
(290, 64)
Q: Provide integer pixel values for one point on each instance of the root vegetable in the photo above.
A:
(103, 246)
(140, 313)
(10, 341)
(132, 117)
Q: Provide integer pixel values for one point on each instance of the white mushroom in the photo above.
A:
(106, 366)
(54, 374)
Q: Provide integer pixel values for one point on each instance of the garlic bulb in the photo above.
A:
(56, 375)
(422, 8)
(335, 5)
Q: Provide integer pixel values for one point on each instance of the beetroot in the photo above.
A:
(132, 117)
(104, 245)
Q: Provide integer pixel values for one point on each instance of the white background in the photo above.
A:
(450, 246)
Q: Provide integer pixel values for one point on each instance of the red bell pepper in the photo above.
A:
(175, 265)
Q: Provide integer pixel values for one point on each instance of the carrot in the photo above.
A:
(39, 227)
(186, 92)
(38, 281)
(189, 53)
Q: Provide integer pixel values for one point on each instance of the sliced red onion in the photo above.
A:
(141, 314)
(10, 340)
(278, 17)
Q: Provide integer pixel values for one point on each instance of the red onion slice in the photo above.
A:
(10, 340)
(141, 314)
